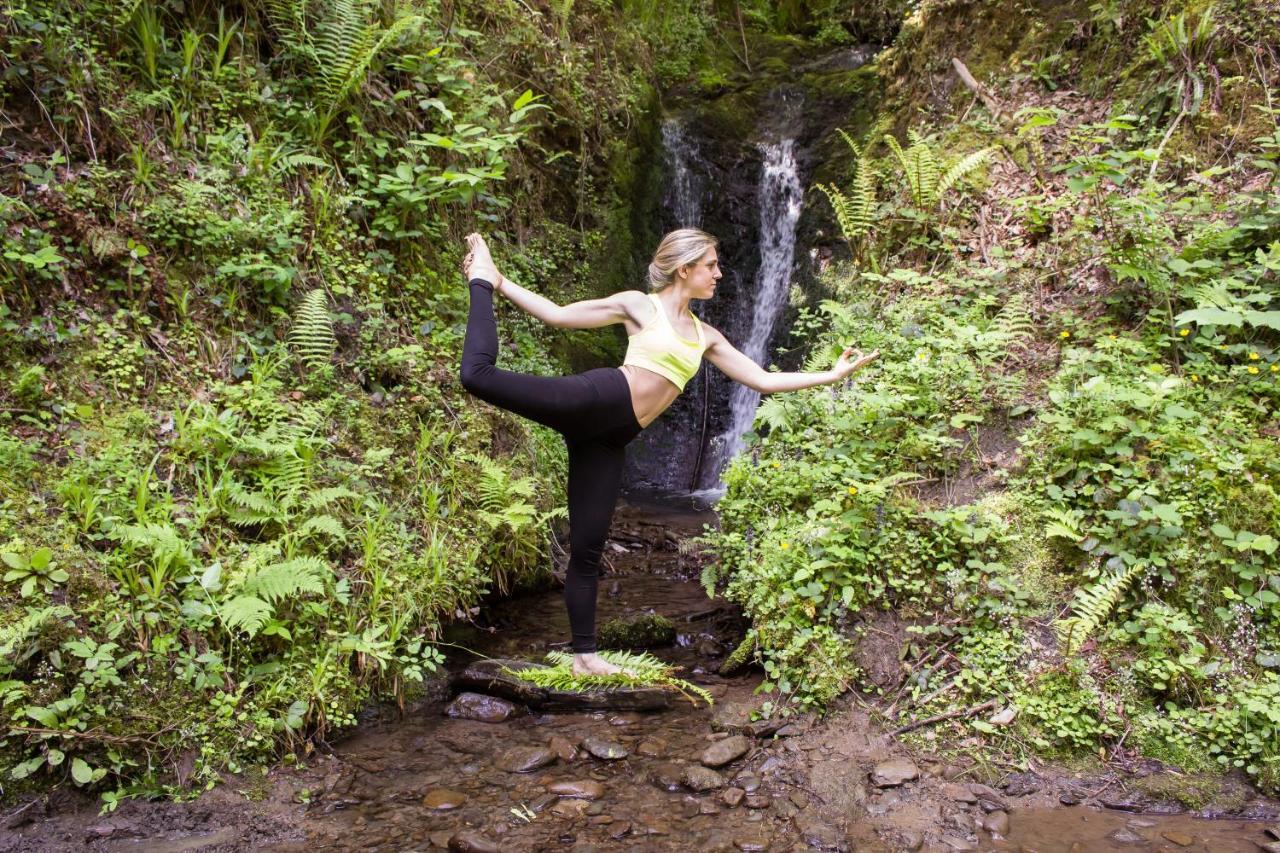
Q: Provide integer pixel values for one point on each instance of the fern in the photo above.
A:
(246, 613)
(16, 633)
(1064, 524)
(642, 670)
(312, 334)
(255, 602)
(962, 167)
(928, 177)
(1093, 605)
(324, 523)
(773, 413)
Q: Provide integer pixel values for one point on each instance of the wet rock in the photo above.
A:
(621, 720)
(799, 799)
(959, 793)
(645, 631)
(442, 799)
(569, 809)
(1005, 717)
(758, 801)
(1122, 805)
(763, 728)
(1179, 838)
(595, 808)
(652, 747)
(725, 751)
(689, 807)
(441, 839)
(1071, 796)
(731, 717)
(996, 823)
(1127, 837)
(894, 772)
(707, 647)
(605, 750)
(701, 779)
(470, 841)
(1138, 824)
(732, 797)
(481, 708)
(912, 840)
(541, 803)
(984, 792)
(951, 842)
(583, 789)
(751, 843)
(491, 677)
(525, 759)
(708, 807)
(600, 819)
(619, 829)
(101, 830)
(747, 781)
(1022, 784)
(666, 775)
(563, 749)
(816, 832)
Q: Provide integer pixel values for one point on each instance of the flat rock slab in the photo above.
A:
(442, 799)
(525, 759)
(725, 751)
(701, 779)
(894, 772)
(579, 789)
(605, 750)
(487, 677)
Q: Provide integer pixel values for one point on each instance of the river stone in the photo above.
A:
(489, 677)
(733, 797)
(701, 779)
(481, 708)
(894, 772)
(1128, 837)
(470, 841)
(525, 759)
(606, 750)
(959, 793)
(569, 809)
(731, 717)
(725, 751)
(996, 823)
(751, 843)
(816, 832)
(652, 747)
(666, 775)
(758, 801)
(618, 829)
(583, 789)
(563, 749)
(443, 799)
(441, 839)
(1022, 784)
(1179, 838)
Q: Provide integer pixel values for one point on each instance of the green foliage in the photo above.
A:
(311, 335)
(1093, 606)
(640, 670)
(927, 173)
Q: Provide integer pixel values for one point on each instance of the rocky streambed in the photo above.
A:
(468, 770)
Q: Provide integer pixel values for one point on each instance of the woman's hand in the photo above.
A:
(852, 360)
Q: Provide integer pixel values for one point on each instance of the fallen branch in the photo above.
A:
(950, 715)
(992, 105)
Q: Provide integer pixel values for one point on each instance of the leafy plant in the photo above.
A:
(641, 670)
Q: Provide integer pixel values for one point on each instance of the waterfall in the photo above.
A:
(780, 196)
(684, 194)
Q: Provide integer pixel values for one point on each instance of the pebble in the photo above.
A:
(481, 708)
(1004, 717)
(959, 793)
(563, 749)
(748, 782)
(442, 799)
(1126, 836)
(606, 750)
(577, 789)
(733, 797)
(960, 844)
(1071, 797)
(441, 839)
(1179, 838)
(1022, 784)
(600, 820)
(996, 823)
(895, 771)
(751, 843)
(758, 801)
(799, 799)
(470, 841)
(619, 829)
(624, 720)
(725, 751)
(525, 759)
(701, 779)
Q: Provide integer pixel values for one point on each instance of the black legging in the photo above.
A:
(593, 412)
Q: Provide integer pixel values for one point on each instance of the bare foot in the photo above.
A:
(481, 265)
(593, 664)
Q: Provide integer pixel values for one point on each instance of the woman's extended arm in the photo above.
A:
(586, 314)
(739, 368)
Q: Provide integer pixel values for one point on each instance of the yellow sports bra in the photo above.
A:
(658, 347)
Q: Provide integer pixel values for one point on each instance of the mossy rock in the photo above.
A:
(646, 631)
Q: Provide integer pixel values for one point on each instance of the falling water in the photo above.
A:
(684, 195)
(780, 198)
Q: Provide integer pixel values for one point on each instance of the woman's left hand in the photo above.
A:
(852, 360)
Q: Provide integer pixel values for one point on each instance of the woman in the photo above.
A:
(600, 411)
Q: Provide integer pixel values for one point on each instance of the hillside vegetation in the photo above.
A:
(1056, 497)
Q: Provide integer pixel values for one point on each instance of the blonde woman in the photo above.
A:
(600, 411)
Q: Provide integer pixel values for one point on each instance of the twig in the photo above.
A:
(950, 715)
(966, 78)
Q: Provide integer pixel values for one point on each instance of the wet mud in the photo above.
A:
(688, 778)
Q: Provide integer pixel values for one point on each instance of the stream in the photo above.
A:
(427, 781)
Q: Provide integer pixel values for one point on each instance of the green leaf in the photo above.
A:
(522, 100)
(81, 771)
(1210, 317)
(40, 559)
(13, 561)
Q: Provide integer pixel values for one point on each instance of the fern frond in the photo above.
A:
(1064, 523)
(162, 540)
(246, 613)
(312, 336)
(962, 167)
(324, 524)
(642, 670)
(1093, 605)
(16, 633)
(324, 497)
(279, 581)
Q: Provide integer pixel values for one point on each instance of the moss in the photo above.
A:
(1196, 792)
(637, 632)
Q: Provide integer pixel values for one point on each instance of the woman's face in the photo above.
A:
(701, 278)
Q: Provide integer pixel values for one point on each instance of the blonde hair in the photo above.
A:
(679, 248)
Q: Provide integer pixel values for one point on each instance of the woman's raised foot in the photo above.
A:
(480, 263)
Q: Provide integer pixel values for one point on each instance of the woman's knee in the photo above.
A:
(474, 376)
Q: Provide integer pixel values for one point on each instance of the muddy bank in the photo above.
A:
(686, 778)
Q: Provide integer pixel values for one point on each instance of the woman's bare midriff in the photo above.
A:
(650, 393)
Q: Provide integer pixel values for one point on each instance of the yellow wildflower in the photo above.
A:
(1195, 377)
(784, 544)
(1185, 332)
(1275, 368)
(1064, 334)
(1253, 356)
(1253, 369)
(853, 490)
